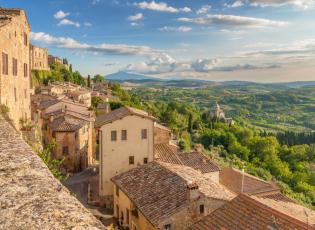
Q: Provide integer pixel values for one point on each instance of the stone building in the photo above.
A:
(15, 64)
(72, 138)
(217, 112)
(165, 196)
(162, 134)
(125, 142)
(53, 60)
(248, 212)
(71, 124)
(39, 58)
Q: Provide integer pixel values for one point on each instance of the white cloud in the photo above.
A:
(135, 17)
(177, 29)
(235, 4)
(232, 20)
(160, 6)
(134, 24)
(67, 22)
(277, 3)
(114, 49)
(204, 9)
(60, 14)
(88, 24)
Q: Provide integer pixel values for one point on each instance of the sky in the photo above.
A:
(221, 40)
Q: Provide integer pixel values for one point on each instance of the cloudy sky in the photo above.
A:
(252, 40)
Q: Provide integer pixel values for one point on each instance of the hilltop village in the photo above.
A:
(122, 160)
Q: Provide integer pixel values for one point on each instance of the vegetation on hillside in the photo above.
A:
(240, 145)
(58, 72)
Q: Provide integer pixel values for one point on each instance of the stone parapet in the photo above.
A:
(30, 197)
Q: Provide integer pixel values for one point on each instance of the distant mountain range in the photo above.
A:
(140, 79)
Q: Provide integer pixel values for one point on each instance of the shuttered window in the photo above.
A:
(14, 67)
(25, 70)
(5, 64)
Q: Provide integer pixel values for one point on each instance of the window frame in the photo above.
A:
(144, 134)
(5, 63)
(124, 135)
(65, 153)
(131, 160)
(113, 135)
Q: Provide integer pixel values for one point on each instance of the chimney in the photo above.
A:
(193, 191)
(51, 118)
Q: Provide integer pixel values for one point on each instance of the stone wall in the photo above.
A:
(39, 58)
(30, 197)
(161, 136)
(15, 87)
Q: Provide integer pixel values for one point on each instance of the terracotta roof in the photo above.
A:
(157, 192)
(66, 123)
(119, 114)
(7, 14)
(244, 212)
(47, 103)
(166, 153)
(169, 154)
(199, 161)
(232, 179)
(289, 208)
(278, 197)
(206, 185)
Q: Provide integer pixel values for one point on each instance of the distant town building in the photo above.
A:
(54, 60)
(217, 112)
(39, 58)
(15, 64)
(125, 142)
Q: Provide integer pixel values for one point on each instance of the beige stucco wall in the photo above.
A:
(39, 58)
(12, 43)
(114, 155)
(124, 204)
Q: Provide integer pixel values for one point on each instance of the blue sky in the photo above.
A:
(253, 40)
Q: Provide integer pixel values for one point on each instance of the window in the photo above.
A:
(65, 150)
(25, 70)
(131, 160)
(117, 190)
(25, 93)
(202, 209)
(145, 160)
(123, 135)
(15, 96)
(127, 216)
(75, 135)
(117, 211)
(25, 39)
(14, 67)
(144, 134)
(113, 135)
(5, 64)
(167, 227)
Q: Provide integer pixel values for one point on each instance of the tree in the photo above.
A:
(89, 81)
(98, 78)
(52, 164)
(70, 68)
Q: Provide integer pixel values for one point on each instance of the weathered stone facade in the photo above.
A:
(162, 135)
(53, 60)
(15, 64)
(39, 58)
(30, 197)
